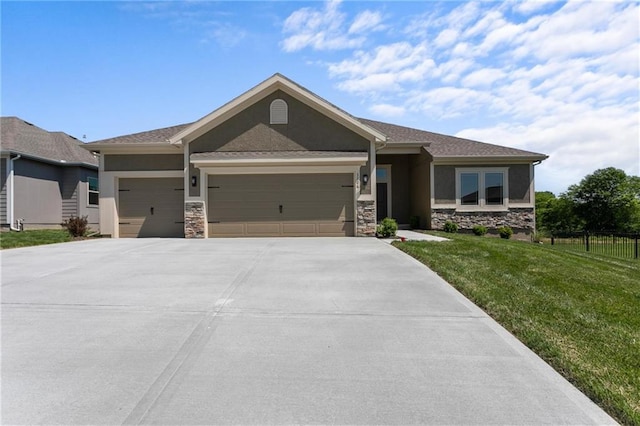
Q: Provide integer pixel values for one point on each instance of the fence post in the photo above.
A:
(635, 250)
(586, 239)
(553, 241)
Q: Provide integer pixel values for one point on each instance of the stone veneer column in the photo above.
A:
(366, 219)
(194, 220)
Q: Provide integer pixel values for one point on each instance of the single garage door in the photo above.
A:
(280, 205)
(151, 207)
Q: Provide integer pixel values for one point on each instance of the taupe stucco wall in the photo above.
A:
(400, 185)
(38, 192)
(143, 162)
(307, 130)
(445, 182)
(419, 166)
(3, 191)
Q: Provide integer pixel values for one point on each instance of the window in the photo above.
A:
(482, 188)
(278, 112)
(93, 191)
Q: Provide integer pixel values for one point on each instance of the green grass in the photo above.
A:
(33, 238)
(580, 312)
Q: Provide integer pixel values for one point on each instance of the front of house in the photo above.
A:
(281, 161)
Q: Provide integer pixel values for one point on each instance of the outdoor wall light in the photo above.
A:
(194, 180)
(365, 179)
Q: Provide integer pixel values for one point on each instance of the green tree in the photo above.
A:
(607, 199)
(544, 201)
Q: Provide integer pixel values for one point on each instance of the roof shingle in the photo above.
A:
(21, 137)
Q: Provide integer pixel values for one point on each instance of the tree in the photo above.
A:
(556, 215)
(608, 199)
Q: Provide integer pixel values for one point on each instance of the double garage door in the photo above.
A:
(280, 205)
(242, 206)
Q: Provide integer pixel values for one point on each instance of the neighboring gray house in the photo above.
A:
(280, 161)
(46, 177)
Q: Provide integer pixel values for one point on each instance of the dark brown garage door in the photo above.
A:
(280, 205)
(151, 207)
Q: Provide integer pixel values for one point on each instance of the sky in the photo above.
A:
(559, 78)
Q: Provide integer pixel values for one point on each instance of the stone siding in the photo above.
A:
(519, 219)
(366, 219)
(194, 219)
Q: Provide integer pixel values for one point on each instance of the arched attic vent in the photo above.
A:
(279, 112)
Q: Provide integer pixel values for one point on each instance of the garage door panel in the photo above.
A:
(152, 207)
(312, 204)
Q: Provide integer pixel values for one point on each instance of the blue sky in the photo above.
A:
(553, 77)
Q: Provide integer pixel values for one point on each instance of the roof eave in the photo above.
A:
(160, 147)
(494, 159)
(62, 163)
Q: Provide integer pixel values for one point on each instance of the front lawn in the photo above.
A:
(11, 239)
(580, 312)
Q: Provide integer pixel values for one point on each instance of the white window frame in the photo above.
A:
(482, 204)
(89, 191)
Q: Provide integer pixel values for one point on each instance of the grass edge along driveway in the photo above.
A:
(36, 237)
(579, 312)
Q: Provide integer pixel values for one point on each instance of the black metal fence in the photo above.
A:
(623, 245)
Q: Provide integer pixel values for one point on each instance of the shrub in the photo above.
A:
(479, 230)
(414, 222)
(77, 226)
(505, 232)
(387, 228)
(450, 227)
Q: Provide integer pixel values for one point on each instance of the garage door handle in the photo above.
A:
(280, 208)
(151, 209)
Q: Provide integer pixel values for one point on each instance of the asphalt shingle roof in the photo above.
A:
(20, 137)
(439, 145)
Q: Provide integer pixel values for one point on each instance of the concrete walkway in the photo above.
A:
(412, 236)
(259, 331)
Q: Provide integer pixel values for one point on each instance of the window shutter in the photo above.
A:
(279, 112)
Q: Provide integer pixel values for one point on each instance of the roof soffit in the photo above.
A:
(264, 89)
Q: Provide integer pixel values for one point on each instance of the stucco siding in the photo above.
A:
(519, 182)
(444, 184)
(38, 193)
(3, 191)
(419, 167)
(400, 186)
(307, 130)
(143, 162)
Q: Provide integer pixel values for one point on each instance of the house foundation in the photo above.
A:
(519, 219)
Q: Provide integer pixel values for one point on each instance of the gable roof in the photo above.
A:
(270, 85)
(21, 137)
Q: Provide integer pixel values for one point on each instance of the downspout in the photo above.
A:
(12, 196)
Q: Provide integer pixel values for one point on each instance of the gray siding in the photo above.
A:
(143, 162)
(70, 177)
(84, 209)
(38, 193)
(307, 129)
(3, 192)
(445, 183)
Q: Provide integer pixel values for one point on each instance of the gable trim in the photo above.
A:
(276, 82)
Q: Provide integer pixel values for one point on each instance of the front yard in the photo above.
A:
(10, 239)
(580, 312)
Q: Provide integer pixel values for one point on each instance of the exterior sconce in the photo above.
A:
(194, 180)
(365, 179)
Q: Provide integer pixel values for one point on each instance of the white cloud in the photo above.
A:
(366, 20)
(483, 77)
(325, 29)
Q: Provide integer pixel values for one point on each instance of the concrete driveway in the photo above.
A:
(259, 331)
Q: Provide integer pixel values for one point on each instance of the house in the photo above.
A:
(46, 177)
(279, 160)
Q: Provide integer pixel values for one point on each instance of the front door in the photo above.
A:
(383, 191)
